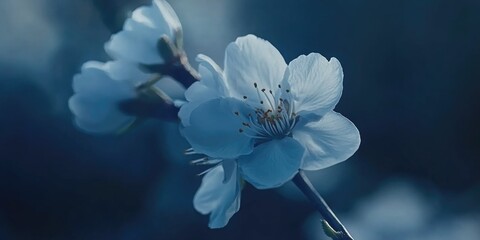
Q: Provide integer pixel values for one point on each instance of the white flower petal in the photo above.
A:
(94, 114)
(315, 83)
(126, 71)
(210, 86)
(137, 42)
(136, 45)
(251, 60)
(87, 80)
(214, 129)
(186, 110)
(330, 140)
(229, 167)
(273, 163)
(149, 16)
(168, 15)
(96, 98)
(159, 16)
(219, 198)
(211, 76)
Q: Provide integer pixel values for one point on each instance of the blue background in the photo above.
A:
(412, 79)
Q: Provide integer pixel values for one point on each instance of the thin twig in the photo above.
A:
(331, 225)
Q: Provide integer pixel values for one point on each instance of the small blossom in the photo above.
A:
(139, 39)
(96, 94)
(273, 118)
(100, 88)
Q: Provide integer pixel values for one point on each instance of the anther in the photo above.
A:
(261, 102)
(255, 85)
(288, 90)
(244, 97)
(240, 130)
(279, 86)
(263, 89)
(237, 113)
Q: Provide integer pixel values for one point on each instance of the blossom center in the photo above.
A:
(273, 117)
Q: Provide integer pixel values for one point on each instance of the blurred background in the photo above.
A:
(412, 80)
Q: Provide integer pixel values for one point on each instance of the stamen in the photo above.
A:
(208, 170)
(274, 120)
(256, 136)
(268, 99)
(259, 125)
(205, 161)
(292, 125)
(261, 130)
(190, 151)
(293, 114)
(258, 93)
(282, 125)
(198, 161)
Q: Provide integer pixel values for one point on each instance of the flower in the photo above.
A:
(272, 118)
(100, 88)
(139, 39)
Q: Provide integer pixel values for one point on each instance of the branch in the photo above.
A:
(331, 225)
(176, 65)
